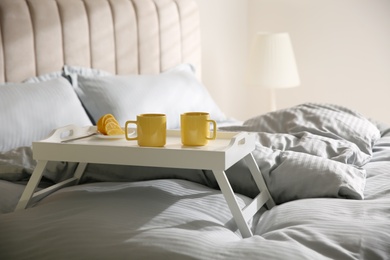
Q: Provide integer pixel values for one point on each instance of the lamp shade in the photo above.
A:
(272, 62)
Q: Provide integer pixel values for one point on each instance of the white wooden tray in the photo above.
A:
(80, 144)
(222, 153)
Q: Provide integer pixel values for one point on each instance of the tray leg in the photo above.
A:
(79, 171)
(259, 180)
(31, 185)
(231, 200)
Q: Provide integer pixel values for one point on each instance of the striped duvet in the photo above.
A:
(177, 218)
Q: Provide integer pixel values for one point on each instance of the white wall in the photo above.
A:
(342, 50)
(224, 48)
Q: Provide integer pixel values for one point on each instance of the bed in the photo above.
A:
(63, 62)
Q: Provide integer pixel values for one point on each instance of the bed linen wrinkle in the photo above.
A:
(319, 150)
(319, 119)
(353, 221)
(147, 214)
(189, 195)
(166, 227)
(309, 240)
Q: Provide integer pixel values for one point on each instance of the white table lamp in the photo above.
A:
(272, 63)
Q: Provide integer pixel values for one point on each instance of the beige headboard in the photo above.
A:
(119, 36)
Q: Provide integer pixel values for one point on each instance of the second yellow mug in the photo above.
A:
(151, 130)
(195, 128)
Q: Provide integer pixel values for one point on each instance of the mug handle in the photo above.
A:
(126, 132)
(214, 130)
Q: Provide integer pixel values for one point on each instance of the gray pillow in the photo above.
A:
(172, 92)
(30, 111)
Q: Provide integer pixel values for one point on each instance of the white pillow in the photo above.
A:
(30, 111)
(172, 92)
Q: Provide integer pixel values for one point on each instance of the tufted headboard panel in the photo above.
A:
(119, 36)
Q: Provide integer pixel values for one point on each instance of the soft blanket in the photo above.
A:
(311, 150)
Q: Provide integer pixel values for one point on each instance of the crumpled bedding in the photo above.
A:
(312, 151)
(306, 151)
(177, 218)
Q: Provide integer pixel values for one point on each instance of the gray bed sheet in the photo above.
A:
(168, 215)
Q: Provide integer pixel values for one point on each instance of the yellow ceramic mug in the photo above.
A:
(195, 128)
(151, 130)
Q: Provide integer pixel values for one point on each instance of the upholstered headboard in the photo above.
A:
(119, 36)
